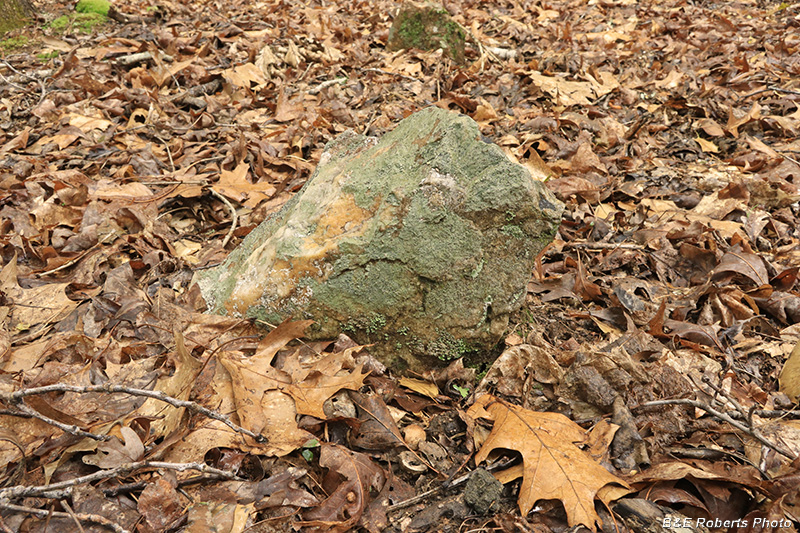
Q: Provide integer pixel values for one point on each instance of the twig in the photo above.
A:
(68, 263)
(24, 492)
(83, 517)
(209, 87)
(16, 397)
(326, 84)
(234, 217)
(722, 416)
(785, 91)
(173, 182)
(502, 53)
(132, 59)
(721, 392)
(603, 245)
(67, 428)
(774, 413)
(500, 465)
(139, 485)
(420, 497)
(169, 152)
(37, 80)
(381, 71)
(768, 89)
(77, 520)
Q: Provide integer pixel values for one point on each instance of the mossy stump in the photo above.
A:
(427, 27)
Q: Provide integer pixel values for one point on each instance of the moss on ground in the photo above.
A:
(100, 7)
(44, 57)
(83, 22)
(12, 43)
(427, 28)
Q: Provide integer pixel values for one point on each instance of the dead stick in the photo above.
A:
(16, 397)
(24, 492)
(83, 517)
(724, 417)
(234, 216)
(67, 428)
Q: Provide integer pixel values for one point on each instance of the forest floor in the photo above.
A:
(656, 356)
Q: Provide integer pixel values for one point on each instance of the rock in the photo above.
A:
(482, 491)
(422, 242)
(427, 27)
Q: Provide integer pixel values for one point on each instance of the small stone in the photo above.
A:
(482, 491)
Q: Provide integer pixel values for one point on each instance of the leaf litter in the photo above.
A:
(656, 353)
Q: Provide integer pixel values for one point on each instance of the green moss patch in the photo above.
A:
(44, 57)
(82, 22)
(99, 7)
(12, 43)
(427, 28)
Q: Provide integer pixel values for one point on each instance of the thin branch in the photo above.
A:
(719, 390)
(326, 84)
(381, 71)
(68, 263)
(41, 490)
(133, 59)
(234, 216)
(83, 517)
(140, 485)
(75, 518)
(67, 428)
(780, 90)
(724, 417)
(16, 398)
(603, 245)
(500, 465)
(37, 80)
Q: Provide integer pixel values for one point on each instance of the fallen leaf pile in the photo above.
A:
(657, 351)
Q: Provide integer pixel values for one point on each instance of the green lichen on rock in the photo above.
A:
(100, 7)
(427, 27)
(447, 348)
(400, 242)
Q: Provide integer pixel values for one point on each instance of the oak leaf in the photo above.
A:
(268, 399)
(553, 467)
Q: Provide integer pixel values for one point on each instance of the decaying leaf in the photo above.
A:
(351, 479)
(268, 399)
(554, 467)
(790, 375)
(113, 453)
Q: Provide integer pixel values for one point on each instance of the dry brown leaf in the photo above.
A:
(35, 307)
(554, 468)
(269, 399)
(421, 386)
(586, 289)
(790, 375)
(113, 453)
(178, 385)
(377, 430)
(750, 266)
(565, 92)
(351, 478)
(260, 406)
(234, 185)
